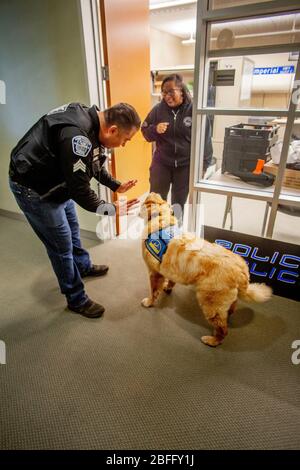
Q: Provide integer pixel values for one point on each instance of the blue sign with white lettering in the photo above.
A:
(270, 261)
(274, 70)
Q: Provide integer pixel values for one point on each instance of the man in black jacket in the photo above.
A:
(51, 167)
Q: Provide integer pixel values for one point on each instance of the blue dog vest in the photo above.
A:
(157, 242)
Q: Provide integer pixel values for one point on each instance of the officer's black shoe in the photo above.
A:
(89, 309)
(96, 270)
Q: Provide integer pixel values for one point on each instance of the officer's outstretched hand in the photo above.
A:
(126, 186)
(123, 205)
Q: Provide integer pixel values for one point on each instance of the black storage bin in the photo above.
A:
(244, 144)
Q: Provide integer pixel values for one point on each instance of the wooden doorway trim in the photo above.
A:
(126, 52)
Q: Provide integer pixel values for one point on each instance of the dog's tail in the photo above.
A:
(256, 292)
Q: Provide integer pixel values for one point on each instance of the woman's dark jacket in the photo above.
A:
(173, 147)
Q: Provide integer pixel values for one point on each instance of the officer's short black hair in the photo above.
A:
(122, 115)
(175, 77)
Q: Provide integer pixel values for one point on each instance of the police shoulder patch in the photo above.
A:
(81, 145)
(187, 121)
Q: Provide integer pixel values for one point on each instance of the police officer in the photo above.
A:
(169, 125)
(51, 167)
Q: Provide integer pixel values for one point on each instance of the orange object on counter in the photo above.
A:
(259, 167)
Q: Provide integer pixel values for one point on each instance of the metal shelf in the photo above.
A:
(232, 185)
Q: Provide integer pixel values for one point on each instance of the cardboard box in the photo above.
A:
(291, 178)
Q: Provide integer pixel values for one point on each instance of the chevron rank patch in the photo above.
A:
(81, 145)
(79, 166)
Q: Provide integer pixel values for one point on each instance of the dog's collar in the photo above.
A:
(157, 242)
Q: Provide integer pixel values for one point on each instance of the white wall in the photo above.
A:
(42, 64)
(188, 54)
(166, 50)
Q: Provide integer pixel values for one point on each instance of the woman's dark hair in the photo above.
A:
(175, 77)
(122, 115)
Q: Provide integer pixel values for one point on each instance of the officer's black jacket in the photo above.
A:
(173, 147)
(59, 155)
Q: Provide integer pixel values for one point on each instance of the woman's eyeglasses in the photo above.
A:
(171, 92)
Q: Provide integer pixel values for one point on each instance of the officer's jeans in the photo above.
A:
(57, 227)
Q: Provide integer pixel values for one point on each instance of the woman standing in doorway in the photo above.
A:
(169, 125)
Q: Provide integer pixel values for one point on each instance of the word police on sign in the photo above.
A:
(271, 261)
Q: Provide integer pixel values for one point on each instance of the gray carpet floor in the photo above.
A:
(137, 378)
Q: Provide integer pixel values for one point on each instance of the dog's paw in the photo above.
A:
(168, 290)
(168, 287)
(146, 302)
(211, 341)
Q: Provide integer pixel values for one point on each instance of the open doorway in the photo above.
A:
(172, 51)
(118, 71)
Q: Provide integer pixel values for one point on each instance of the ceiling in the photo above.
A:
(180, 20)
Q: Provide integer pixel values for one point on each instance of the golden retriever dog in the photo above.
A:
(219, 276)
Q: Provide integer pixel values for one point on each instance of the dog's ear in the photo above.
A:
(154, 205)
(154, 198)
(152, 210)
(149, 209)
